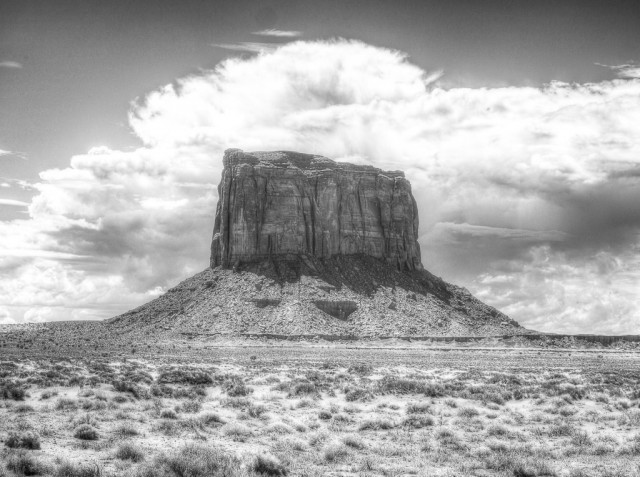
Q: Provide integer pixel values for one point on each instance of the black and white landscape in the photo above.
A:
(319, 238)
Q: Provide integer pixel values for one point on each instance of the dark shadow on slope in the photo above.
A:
(360, 273)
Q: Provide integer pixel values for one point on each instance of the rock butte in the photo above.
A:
(304, 246)
(285, 204)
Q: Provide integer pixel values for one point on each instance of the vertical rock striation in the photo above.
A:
(287, 205)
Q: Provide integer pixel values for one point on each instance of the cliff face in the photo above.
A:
(289, 205)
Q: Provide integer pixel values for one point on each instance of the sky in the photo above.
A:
(517, 123)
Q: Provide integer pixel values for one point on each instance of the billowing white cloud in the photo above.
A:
(522, 191)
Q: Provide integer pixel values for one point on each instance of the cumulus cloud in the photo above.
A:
(523, 192)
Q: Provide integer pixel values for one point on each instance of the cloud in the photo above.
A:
(11, 202)
(521, 190)
(10, 64)
(629, 71)
(278, 33)
(251, 47)
(20, 155)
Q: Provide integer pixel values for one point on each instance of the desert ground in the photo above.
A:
(334, 409)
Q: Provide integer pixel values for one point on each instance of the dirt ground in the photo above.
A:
(302, 410)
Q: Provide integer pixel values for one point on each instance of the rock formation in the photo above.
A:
(286, 204)
(304, 246)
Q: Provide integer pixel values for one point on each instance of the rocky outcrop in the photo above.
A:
(305, 246)
(287, 205)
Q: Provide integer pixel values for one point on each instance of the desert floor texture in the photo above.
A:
(320, 411)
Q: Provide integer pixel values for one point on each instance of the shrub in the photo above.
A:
(126, 429)
(210, 418)
(561, 430)
(268, 465)
(236, 430)
(419, 408)
(393, 385)
(376, 425)
(13, 391)
(303, 389)
(21, 408)
(238, 389)
(468, 412)
(353, 441)
(191, 406)
(361, 368)
(128, 451)
(66, 404)
(334, 451)
(25, 464)
(358, 394)
(85, 432)
(168, 414)
(195, 460)
(497, 430)
(324, 415)
(418, 422)
(256, 410)
(236, 402)
(279, 428)
(23, 440)
(185, 375)
(67, 469)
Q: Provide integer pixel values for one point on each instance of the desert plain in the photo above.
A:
(382, 408)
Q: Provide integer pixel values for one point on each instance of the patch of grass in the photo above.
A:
(353, 441)
(211, 418)
(23, 440)
(256, 410)
(266, 464)
(238, 390)
(168, 414)
(468, 412)
(418, 422)
(13, 392)
(126, 429)
(358, 394)
(191, 407)
(66, 404)
(194, 460)
(236, 431)
(419, 408)
(68, 469)
(376, 425)
(128, 451)
(394, 385)
(23, 463)
(334, 452)
(303, 389)
(23, 408)
(86, 432)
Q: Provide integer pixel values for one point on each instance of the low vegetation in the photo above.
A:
(144, 418)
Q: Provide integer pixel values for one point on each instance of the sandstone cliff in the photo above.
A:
(288, 205)
(304, 246)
